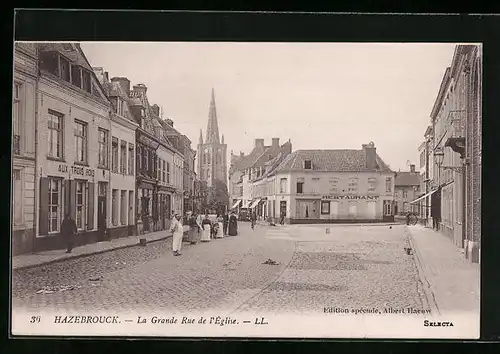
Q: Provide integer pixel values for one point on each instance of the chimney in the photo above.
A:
(370, 156)
(259, 144)
(242, 154)
(124, 83)
(276, 142)
(412, 168)
(156, 110)
(140, 88)
(169, 122)
(106, 75)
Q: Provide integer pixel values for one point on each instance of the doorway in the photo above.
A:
(101, 217)
(371, 210)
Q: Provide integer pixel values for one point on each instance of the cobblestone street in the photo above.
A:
(349, 267)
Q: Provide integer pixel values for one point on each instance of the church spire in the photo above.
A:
(212, 127)
(201, 138)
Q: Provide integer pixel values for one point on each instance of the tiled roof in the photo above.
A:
(407, 179)
(69, 50)
(330, 160)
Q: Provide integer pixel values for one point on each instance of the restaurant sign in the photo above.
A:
(77, 170)
(351, 197)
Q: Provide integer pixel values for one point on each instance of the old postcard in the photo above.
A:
(227, 189)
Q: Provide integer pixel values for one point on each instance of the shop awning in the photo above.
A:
(255, 203)
(247, 204)
(238, 202)
(424, 196)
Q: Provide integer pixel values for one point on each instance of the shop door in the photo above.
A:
(371, 210)
(334, 210)
(282, 208)
(162, 211)
(101, 216)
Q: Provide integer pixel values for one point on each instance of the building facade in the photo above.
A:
(158, 166)
(212, 153)
(188, 174)
(24, 144)
(406, 189)
(74, 145)
(122, 181)
(422, 203)
(454, 178)
(330, 186)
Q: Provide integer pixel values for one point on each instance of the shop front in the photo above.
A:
(79, 191)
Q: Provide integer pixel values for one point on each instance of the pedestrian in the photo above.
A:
(225, 222)
(177, 230)
(193, 232)
(233, 225)
(253, 220)
(408, 218)
(282, 218)
(68, 230)
(206, 226)
(220, 228)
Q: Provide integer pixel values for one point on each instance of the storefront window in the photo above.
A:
(80, 204)
(325, 207)
(55, 206)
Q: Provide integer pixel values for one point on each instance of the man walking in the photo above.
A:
(68, 230)
(282, 218)
(225, 222)
(253, 218)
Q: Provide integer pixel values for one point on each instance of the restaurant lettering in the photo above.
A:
(351, 197)
(77, 170)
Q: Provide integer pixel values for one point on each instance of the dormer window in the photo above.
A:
(76, 75)
(64, 69)
(143, 112)
(86, 81)
(308, 164)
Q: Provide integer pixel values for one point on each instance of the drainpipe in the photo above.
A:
(37, 171)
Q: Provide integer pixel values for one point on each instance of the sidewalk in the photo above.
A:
(36, 259)
(451, 282)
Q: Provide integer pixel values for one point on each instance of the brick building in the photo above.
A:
(23, 147)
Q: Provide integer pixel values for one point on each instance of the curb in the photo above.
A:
(88, 254)
(425, 284)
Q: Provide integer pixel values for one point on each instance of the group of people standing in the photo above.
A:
(199, 228)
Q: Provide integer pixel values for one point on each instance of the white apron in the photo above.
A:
(205, 234)
(220, 230)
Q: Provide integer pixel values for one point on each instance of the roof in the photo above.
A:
(69, 50)
(330, 160)
(407, 179)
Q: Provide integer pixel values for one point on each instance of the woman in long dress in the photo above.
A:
(177, 233)
(233, 225)
(220, 229)
(206, 226)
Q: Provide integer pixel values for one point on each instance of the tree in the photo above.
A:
(218, 196)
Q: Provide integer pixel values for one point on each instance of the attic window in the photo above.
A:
(65, 69)
(76, 76)
(48, 61)
(308, 164)
(86, 81)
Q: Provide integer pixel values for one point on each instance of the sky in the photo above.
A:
(318, 95)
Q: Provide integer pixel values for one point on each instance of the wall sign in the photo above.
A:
(350, 197)
(77, 170)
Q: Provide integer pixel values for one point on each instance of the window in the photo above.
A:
(119, 106)
(283, 185)
(315, 185)
(308, 164)
(388, 184)
(333, 182)
(300, 187)
(130, 159)
(17, 199)
(130, 208)
(353, 185)
(114, 206)
(103, 148)
(80, 204)
(64, 69)
(55, 205)
(80, 133)
(76, 75)
(86, 81)
(16, 119)
(146, 161)
(163, 171)
(123, 207)
(168, 172)
(114, 154)
(55, 135)
(372, 184)
(387, 207)
(405, 193)
(325, 207)
(139, 159)
(123, 157)
(49, 62)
